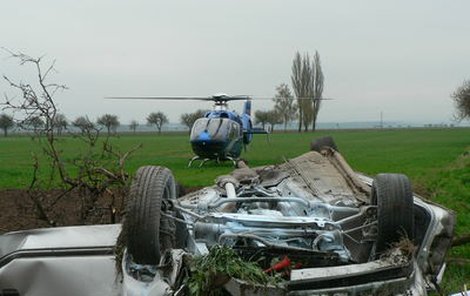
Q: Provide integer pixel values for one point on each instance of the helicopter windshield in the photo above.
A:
(218, 129)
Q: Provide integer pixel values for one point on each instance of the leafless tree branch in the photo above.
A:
(98, 171)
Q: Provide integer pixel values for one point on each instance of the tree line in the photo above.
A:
(108, 121)
(302, 104)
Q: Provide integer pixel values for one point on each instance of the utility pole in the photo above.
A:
(381, 120)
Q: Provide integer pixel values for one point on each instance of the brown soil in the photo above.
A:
(18, 211)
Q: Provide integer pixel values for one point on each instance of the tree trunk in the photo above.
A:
(314, 121)
(306, 123)
(5, 132)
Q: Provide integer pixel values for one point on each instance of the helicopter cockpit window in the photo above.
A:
(214, 129)
(234, 131)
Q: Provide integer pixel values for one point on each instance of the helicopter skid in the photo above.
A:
(217, 160)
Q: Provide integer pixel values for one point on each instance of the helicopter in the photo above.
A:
(219, 135)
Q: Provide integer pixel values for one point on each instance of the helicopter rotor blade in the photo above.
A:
(163, 98)
(294, 98)
(215, 98)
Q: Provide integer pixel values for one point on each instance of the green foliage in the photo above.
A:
(210, 272)
(450, 186)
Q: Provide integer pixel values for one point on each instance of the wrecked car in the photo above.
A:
(326, 229)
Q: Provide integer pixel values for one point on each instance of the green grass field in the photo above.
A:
(436, 160)
(414, 152)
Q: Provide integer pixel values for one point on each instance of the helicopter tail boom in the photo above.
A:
(256, 131)
(247, 108)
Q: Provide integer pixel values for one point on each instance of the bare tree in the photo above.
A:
(95, 172)
(89, 132)
(158, 119)
(273, 118)
(462, 101)
(285, 105)
(318, 79)
(262, 117)
(302, 75)
(83, 123)
(6, 123)
(133, 125)
(60, 123)
(307, 82)
(110, 121)
(298, 85)
(188, 119)
(36, 102)
(34, 123)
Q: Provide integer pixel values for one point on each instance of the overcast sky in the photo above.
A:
(404, 58)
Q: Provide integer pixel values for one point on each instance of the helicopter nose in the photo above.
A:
(204, 136)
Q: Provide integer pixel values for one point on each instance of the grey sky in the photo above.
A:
(400, 57)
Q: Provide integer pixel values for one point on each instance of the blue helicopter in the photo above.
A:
(220, 134)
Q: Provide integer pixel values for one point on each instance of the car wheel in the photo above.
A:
(394, 199)
(321, 143)
(149, 233)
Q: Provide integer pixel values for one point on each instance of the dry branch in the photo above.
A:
(461, 240)
(100, 171)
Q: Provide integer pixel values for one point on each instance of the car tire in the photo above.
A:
(319, 144)
(149, 233)
(392, 195)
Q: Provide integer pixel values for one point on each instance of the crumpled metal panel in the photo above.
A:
(75, 261)
(80, 275)
(60, 261)
(59, 237)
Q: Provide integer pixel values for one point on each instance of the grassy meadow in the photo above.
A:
(415, 152)
(436, 160)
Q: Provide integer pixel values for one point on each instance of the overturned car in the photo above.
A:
(336, 232)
